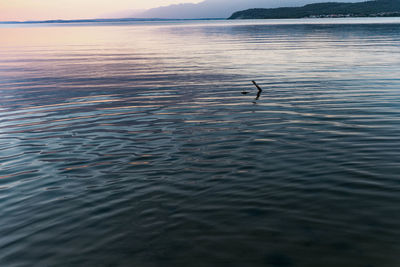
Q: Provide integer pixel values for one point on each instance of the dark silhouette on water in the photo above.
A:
(259, 90)
(258, 93)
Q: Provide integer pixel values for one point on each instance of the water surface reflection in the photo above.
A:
(132, 145)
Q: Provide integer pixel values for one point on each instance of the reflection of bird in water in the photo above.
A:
(244, 93)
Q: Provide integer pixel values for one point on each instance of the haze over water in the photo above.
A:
(131, 144)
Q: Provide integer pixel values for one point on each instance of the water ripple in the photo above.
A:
(132, 145)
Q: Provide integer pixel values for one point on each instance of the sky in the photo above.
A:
(21, 10)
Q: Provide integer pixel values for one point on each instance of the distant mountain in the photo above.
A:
(83, 21)
(332, 9)
(217, 8)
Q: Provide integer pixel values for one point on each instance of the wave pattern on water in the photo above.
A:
(132, 145)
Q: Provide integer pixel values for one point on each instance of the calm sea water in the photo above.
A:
(132, 145)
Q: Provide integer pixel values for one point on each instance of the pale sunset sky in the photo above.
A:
(21, 10)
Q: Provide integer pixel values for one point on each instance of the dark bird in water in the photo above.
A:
(258, 93)
(259, 90)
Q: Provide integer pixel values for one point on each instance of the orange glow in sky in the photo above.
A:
(21, 10)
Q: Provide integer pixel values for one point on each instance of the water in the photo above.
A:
(132, 145)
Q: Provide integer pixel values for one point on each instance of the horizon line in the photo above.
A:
(101, 20)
